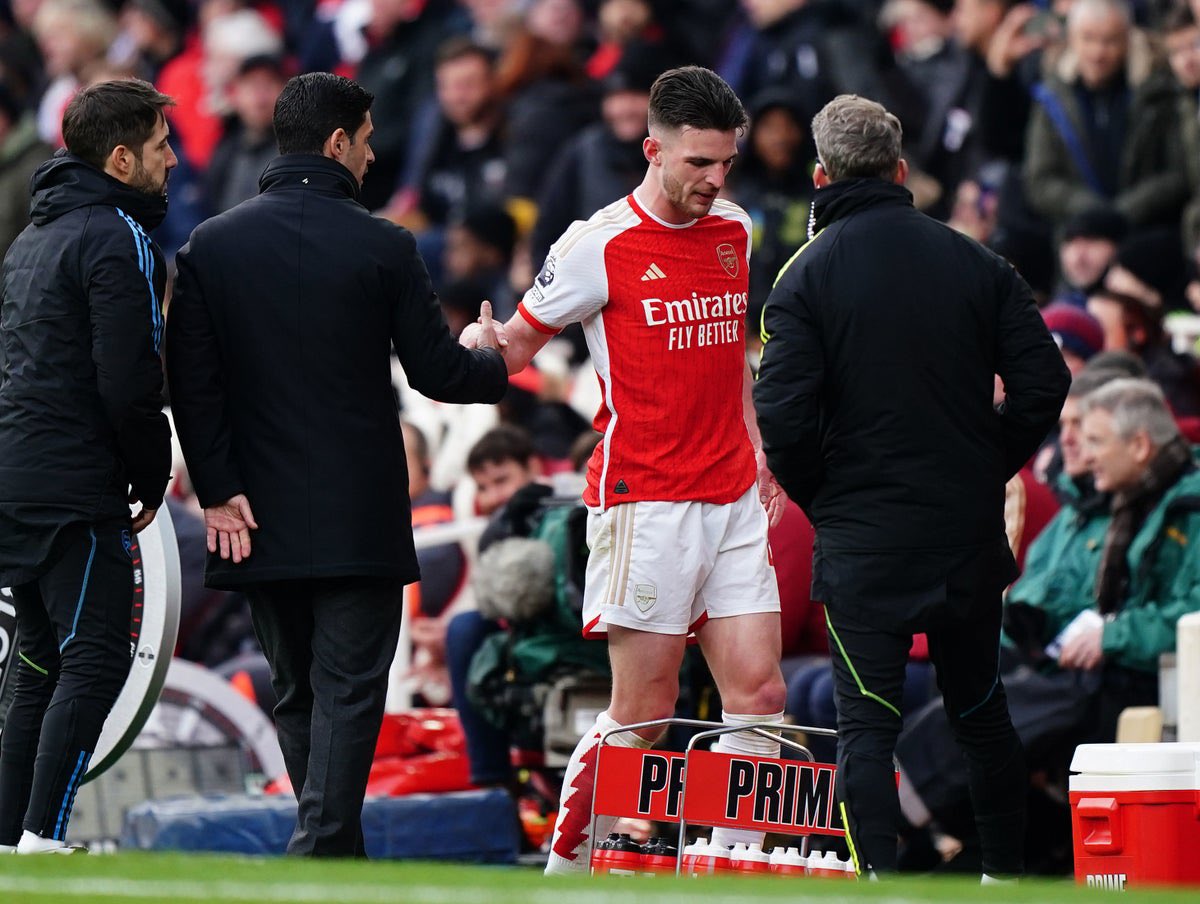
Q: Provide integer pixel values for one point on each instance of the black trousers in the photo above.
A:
(330, 643)
(868, 667)
(73, 629)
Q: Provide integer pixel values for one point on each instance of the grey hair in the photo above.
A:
(1085, 9)
(856, 137)
(1090, 379)
(1135, 405)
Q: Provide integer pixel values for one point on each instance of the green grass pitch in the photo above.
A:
(186, 879)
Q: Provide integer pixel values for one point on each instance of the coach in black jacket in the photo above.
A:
(875, 402)
(279, 343)
(81, 434)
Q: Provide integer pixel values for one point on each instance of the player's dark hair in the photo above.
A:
(696, 97)
(313, 106)
(501, 444)
(122, 112)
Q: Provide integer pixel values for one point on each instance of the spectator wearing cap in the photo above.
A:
(1078, 334)
(21, 151)
(1105, 128)
(605, 161)
(479, 248)
(248, 144)
(1087, 247)
(773, 184)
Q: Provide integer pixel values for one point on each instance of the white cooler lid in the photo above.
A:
(1137, 759)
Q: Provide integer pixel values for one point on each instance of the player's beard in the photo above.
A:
(683, 200)
(142, 181)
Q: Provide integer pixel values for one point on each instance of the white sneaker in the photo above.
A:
(8, 848)
(36, 844)
(995, 880)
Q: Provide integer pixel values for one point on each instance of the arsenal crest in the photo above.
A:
(728, 258)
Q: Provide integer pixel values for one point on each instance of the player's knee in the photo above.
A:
(772, 694)
(764, 696)
(643, 705)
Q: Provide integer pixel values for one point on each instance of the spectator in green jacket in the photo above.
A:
(1149, 573)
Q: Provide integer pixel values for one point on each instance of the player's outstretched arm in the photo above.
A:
(523, 343)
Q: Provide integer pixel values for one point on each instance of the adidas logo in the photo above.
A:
(653, 272)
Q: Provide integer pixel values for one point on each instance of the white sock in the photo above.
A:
(745, 742)
(571, 849)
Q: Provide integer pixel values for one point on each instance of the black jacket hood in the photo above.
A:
(65, 183)
(847, 196)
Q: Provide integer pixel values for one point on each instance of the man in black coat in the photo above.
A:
(280, 335)
(883, 336)
(82, 434)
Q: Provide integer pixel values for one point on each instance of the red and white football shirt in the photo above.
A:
(663, 309)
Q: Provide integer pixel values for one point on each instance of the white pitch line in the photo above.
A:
(190, 890)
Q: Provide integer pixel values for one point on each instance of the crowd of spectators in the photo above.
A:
(1065, 136)
(503, 120)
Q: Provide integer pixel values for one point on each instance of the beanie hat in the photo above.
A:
(1096, 223)
(1153, 256)
(1074, 329)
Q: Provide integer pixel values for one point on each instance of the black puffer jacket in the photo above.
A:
(875, 394)
(81, 395)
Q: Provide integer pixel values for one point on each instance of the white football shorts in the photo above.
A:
(667, 567)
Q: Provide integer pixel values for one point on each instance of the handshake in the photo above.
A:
(484, 333)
